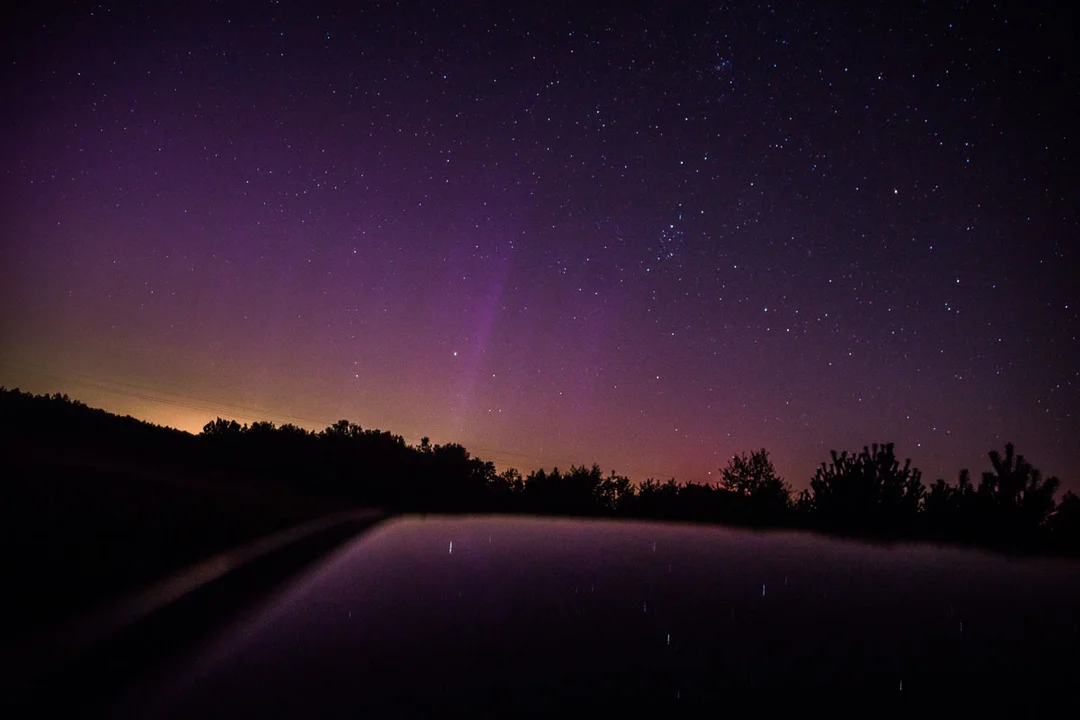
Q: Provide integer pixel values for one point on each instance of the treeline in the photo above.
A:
(868, 493)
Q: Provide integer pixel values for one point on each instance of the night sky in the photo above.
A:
(647, 237)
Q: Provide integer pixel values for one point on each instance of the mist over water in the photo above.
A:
(519, 613)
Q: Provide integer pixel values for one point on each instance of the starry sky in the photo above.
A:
(646, 236)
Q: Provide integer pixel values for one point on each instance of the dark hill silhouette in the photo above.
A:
(102, 502)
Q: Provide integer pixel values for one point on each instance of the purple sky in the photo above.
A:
(556, 233)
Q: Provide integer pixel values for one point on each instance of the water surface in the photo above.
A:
(517, 613)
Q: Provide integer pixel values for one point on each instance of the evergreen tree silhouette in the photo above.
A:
(868, 493)
(1014, 501)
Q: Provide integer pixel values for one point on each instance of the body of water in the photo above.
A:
(520, 613)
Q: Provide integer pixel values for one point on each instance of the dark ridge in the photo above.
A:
(95, 504)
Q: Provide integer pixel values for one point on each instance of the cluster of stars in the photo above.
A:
(748, 217)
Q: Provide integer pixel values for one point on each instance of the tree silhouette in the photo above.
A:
(616, 494)
(1064, 524)
(507, 489)
(579, 491)
(948, 508)
(221, 428)
(1013, 500)
(347, 465)
(702, 502)
(762, 494)
(869, 492)
(343, 429)
(448, 478)
(657, 500)
(802, 506)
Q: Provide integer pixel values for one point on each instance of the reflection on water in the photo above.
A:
(554, 611)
